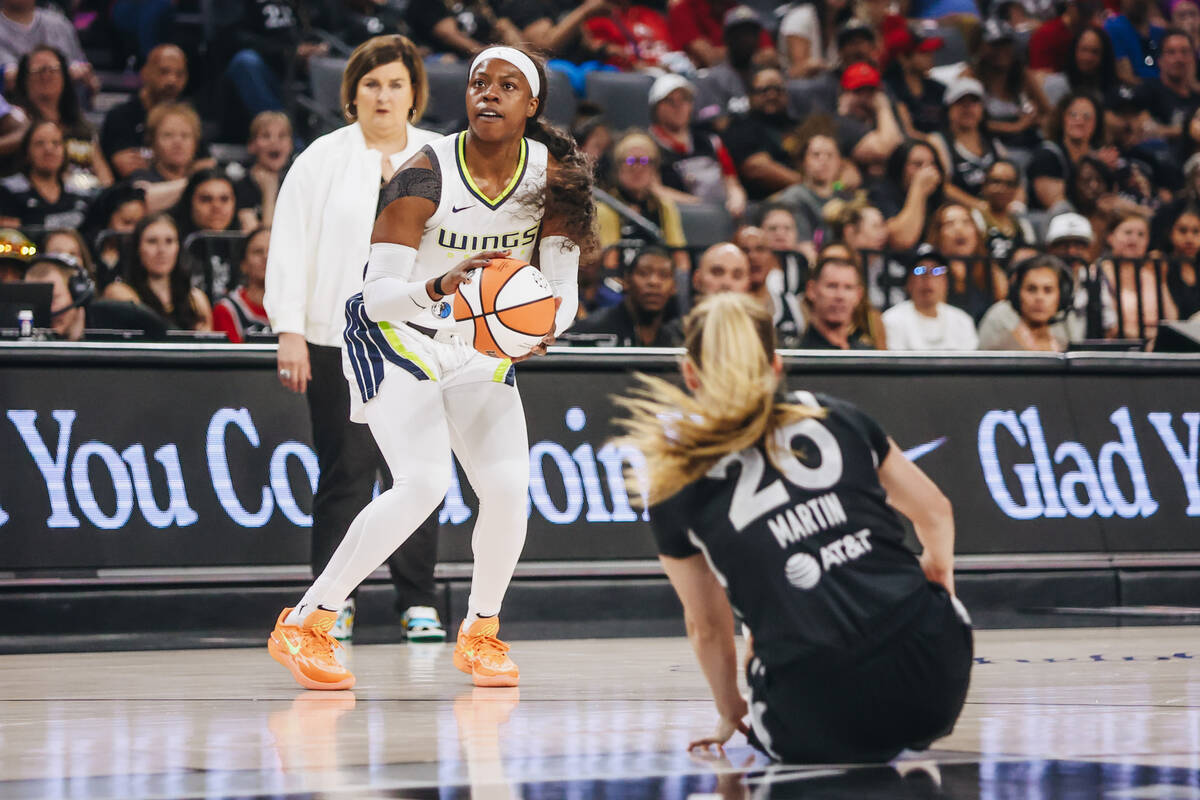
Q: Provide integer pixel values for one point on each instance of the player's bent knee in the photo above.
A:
(505, 477)
(427, 481)
(503, 483)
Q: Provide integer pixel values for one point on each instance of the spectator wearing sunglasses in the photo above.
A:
(1002, 230)
(756, 139)
(636, 184)
(926, 321)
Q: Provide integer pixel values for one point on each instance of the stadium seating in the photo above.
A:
(624, 96)
(705, 224)
(325, 81)
(560, 99)
(447, 95)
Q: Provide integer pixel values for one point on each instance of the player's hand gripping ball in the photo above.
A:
(506, 309)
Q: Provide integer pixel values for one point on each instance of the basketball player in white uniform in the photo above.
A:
(507, 186)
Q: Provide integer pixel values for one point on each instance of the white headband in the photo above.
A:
(515, 57)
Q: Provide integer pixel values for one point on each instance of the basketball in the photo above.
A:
(506, 309)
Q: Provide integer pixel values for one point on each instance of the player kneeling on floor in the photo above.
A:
(784, 507)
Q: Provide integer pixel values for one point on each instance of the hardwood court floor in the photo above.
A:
(1089, 713)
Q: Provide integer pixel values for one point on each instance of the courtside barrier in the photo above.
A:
(186, 456)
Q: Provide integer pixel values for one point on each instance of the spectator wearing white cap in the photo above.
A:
(694, 165)
(1069, 236)
(966, 147)
(1093, 313)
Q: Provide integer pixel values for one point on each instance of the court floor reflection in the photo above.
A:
(1069, 713)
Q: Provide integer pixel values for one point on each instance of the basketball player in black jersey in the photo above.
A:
(784, 507)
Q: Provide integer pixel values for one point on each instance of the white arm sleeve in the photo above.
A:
(388, 293)
(559, 260)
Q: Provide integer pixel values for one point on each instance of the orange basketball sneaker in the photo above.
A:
(309, 652)
(484, 657)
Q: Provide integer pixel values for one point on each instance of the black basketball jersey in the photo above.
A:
(811, 554)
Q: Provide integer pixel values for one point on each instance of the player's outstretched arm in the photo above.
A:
(709, 622)
(913, 494)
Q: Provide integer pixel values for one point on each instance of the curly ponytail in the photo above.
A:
(568, 195)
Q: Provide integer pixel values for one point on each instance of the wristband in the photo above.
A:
(437, 285)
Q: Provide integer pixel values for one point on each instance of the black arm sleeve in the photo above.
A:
(412, 182)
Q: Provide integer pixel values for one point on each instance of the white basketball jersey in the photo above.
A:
(467, 222)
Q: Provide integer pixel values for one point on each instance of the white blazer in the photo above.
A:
(321, 233)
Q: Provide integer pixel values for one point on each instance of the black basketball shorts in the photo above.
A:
(905, 693)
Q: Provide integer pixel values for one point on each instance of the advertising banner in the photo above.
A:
(117, 463)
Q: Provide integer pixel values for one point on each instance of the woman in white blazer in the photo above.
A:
(320, 240)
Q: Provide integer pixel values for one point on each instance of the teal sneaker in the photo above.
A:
(422, 624)
(343, 627)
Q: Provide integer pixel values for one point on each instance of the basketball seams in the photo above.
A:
(491, 326)
(471, 295)
(510, 326)
(482, 329)
(509, 308)
(503, 283)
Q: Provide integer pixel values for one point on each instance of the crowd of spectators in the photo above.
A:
(1035, 189)
(891, 174)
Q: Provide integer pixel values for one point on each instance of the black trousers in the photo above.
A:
(904, 693)
(350, 460)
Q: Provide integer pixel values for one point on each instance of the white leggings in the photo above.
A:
(416, 423)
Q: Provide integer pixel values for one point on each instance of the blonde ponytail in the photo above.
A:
(730, 341)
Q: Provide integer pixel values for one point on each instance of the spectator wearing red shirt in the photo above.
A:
(633, 36)
(241, 311)
(698, 29)
(1050, 45)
